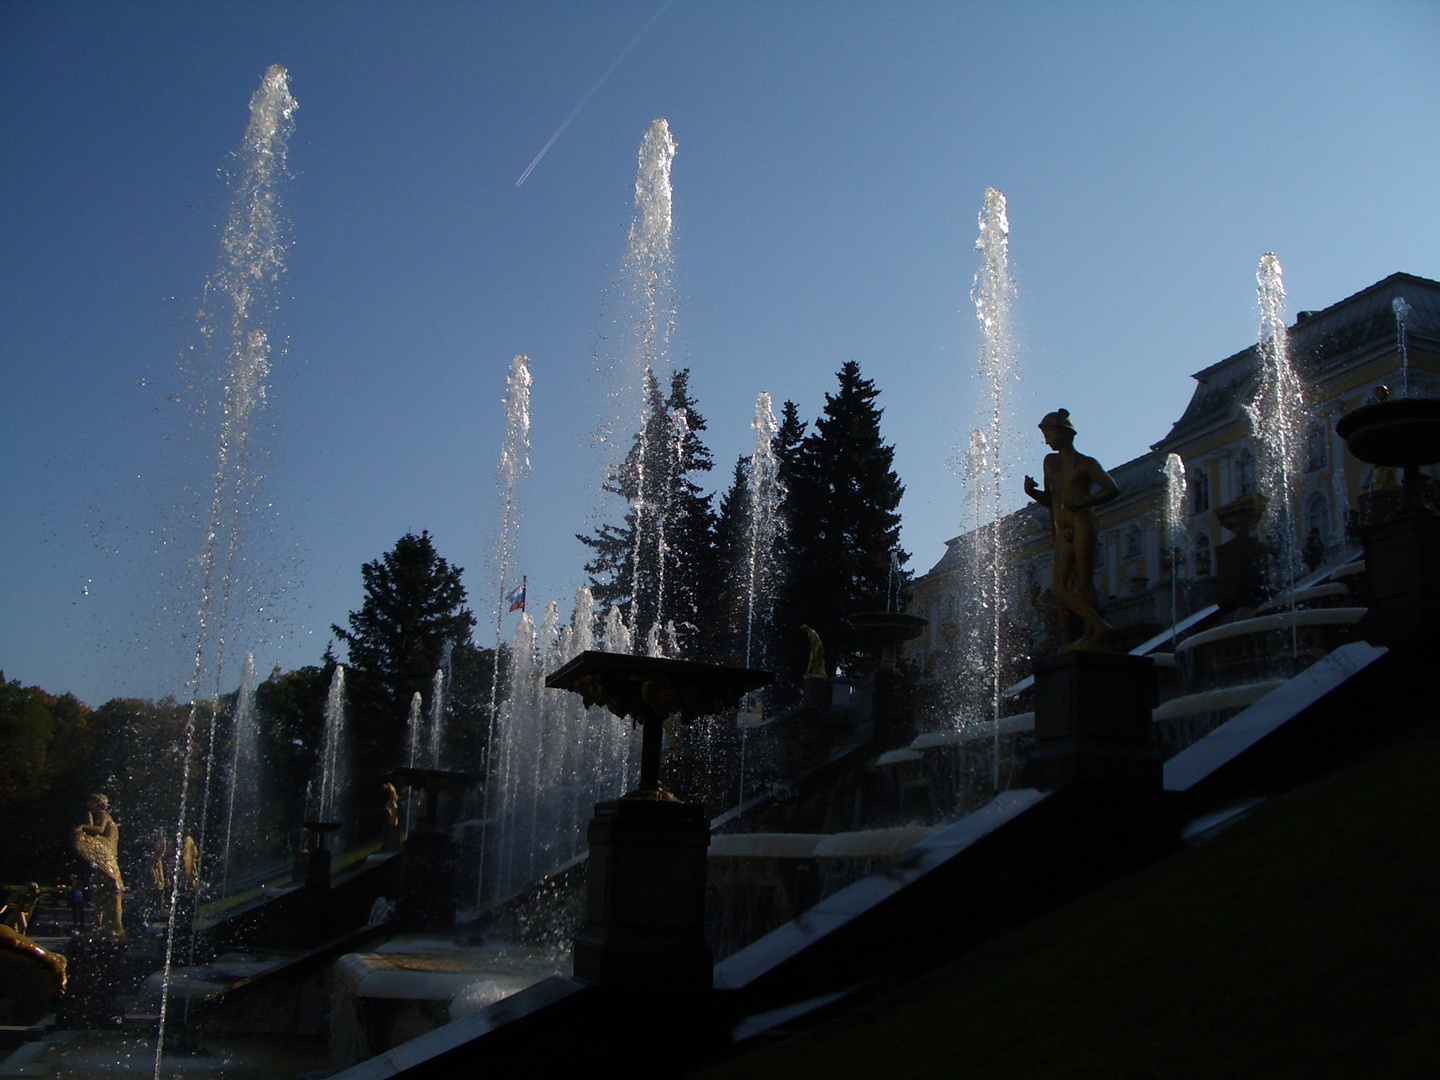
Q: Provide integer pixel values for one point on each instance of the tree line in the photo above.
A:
(837, 555)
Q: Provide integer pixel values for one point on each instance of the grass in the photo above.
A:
(1303, 941)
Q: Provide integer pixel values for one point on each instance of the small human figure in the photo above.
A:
(816, 668)
(1074, 485)
(97, 840)
(1314, 550)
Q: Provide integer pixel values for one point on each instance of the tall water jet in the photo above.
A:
(437, 716)
(1401, 307)
(242, 762)
(1174, 526)
(992, 293)
(765, 521)
(333, 751)
(239, 299)
(514, 465)
(1277, 419)
(412, 746)
(648, 270)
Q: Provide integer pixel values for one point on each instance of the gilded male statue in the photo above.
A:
(1074, 485)
(97, 840)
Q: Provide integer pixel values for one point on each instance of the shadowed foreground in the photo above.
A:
(1302, 941)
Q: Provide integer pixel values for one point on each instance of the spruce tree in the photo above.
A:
(414, 602)
(726, 621)
(658, 563)
(842, 505)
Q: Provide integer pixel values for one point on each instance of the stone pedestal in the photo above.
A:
(96, 978)
(317, 870)
(1242, 566)
(1092, 725)
(645, 898)
(1402, 569)
(893, 710)
(815, 693)
(428, 900)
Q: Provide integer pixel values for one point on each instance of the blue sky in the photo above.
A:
(832, 161)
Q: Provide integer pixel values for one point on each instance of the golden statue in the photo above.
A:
(392, 805)
(97, 840)
(159, 874)
(190, 864)
(17, 913)
(51, 964)
(816, 669)
(1074, 486)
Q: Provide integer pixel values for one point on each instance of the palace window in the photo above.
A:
(1316, 455)
(1198, 481)
(1202, 555)
(1134, 542)
(1317, 517)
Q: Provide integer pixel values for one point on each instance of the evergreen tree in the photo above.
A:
(726, 621)
(657, 564)
(842, 503)
(414, 603)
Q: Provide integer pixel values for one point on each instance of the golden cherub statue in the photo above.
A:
(1074, 486)
(97, 840)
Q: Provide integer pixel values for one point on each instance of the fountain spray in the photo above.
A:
(1174, 527)
(437, 716)
(252, 262)
(243, 754)
(649, 266)
(992, 293)
(333, 749)
(765, 520)
(1401, 307)
(1276, 414)
(412, 746)
(514, 465)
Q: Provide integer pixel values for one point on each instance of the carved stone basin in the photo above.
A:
(886, 628)
(430, 783)
(1398, 432)
(1395, 433)
(880, 631)
(1242, 514)
(651, 689)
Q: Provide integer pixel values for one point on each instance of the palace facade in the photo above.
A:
(1385, 335)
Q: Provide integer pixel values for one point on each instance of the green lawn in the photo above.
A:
(1304, 941)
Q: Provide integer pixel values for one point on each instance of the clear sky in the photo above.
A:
(832, 161)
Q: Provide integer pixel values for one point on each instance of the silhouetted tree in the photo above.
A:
(666, 533)
(414, 603)
(842, 500)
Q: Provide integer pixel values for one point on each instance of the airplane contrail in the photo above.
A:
(584, 100)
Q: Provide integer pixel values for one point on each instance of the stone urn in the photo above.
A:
(1402, 553)
(644, 930)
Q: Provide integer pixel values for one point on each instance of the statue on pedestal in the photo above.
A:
(97, 840)
(816, 668)
(1074, 486)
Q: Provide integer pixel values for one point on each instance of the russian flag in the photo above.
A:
(516, 597)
